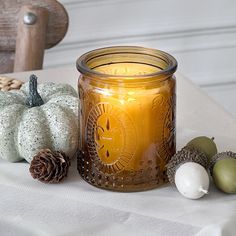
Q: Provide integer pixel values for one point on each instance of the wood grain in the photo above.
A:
(9, 14)
(31, 40)
(6, 62)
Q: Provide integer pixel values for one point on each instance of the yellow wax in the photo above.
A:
(133, 123)
(126, 69)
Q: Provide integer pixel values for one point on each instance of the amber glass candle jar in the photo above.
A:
(127, 117)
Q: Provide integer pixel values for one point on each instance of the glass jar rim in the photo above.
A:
(84, 69)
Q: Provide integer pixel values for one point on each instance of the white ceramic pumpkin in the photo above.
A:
(31, 120)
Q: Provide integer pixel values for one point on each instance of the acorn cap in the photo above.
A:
(183, 156)
(220, 156)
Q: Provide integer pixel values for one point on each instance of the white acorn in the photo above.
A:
(192, 180)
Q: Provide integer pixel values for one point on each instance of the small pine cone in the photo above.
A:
(49, 167)
(183, 156)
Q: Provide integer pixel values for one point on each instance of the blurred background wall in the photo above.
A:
(200, 34)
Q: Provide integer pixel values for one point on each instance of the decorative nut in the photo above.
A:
(7, 83)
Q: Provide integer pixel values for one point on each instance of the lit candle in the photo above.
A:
(127, 117)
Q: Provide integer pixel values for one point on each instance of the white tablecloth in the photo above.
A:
(28, 207)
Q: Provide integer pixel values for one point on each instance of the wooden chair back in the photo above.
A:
(27, 28)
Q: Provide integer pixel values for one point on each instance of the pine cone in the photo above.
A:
(49, 167)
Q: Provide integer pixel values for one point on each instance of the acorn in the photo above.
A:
(203, 144)
(192, 180)
(223, 170)
(187, 169)
(183, 156)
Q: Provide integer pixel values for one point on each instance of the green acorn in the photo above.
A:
(203, 144)
(223, 170)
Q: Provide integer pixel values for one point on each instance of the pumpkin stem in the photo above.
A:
(33, 99)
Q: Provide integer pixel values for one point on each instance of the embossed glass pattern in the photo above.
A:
(127, 117)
